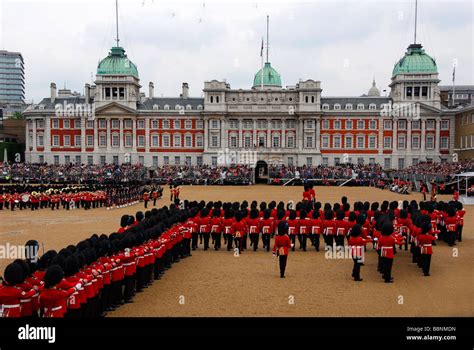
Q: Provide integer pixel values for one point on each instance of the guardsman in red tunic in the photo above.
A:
(292, 228)
(316, 228)
(53, 301)
(281, 246)
(227, 228)
(216, 228)
(460, 217)
(146, 198)
(357, 244)
(386, 245)
(238, 230)
(266, 227)
(425, 240)
(154, 196)
(11, 294)
(451, 226)
(341, 228)
(329, 229)
(203, 222)
(253, 223)
(304, 225)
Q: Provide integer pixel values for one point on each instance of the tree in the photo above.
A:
(17, 116)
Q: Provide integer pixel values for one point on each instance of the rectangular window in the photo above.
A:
(415, 125)
(430, 124)
(360, 160)
(414, 161)
(309, 142)
(55, 124)
(402, 124)
(102, 124)
(360, 125)
(387, 163)
(155, 161)
(90, 160)
(349, 124)
(445, 125)
(166, 160)
(154, 140)
(372, 142)
(67, 141)
(90, 124)
(387, 142)
(128, 140)
(115, 140)
(247, 141)
(102, 140)
(415, 142)
(310, 124)
(325, 161)
(166, 141)
(128, 124)
(214, 141)
(199, 160)
(262, 141)
(141, 141)
(337, 161)
(348, 142)
(188, 141)
(77, 123)
(199, 124)
(67, 159)
(360, 141)
(290, 161)
(66, 124)
(40, 141)
(444, 143)
(56, 160)
(401, 142)
(199, 141)
(214, 161)
(325, 125)
(401, 163)
(387, 125)
(276, 141)
(337, 124)
(166, 124)
(429, 142)
(325, 142)
(154, 124)
(416, 91)
(102, 160)
(309, 161)
(188, 160)
(215, 124)
(290, 142)
(140, 124)
(56, 140)
(177, 124)
(336, 142)
(372, 125)
(115, 160)
(78, 160)
(77, 141)
(188, 124)
(371, 161)
(409, 91)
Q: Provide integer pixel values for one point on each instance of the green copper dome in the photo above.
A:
(415, 61)
(117, 63)
(270, 77)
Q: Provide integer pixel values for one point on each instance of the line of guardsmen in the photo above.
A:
(77, 196)
(98, 274)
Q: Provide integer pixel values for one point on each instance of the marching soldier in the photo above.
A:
(146, 198)
(282, 246)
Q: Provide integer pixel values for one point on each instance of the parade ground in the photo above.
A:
(218, 283)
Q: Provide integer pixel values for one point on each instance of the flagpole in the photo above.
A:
(454, 84)
(261, 63)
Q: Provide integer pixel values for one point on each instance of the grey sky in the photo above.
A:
(342, 43)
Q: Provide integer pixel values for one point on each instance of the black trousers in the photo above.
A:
(339, 240)
(315, 238)
(356, 268)
(387, 268)
(216, 237)
(254, 240)
(230, 240)
(459, 233)
(425, 263)
(303, 238)
(329, 240)
(146, 204)
(194, 240)
(283, 259)
(266, 241)
(206, 241)
(187, 246)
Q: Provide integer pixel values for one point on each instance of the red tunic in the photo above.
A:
(53, 301)
(282, 245)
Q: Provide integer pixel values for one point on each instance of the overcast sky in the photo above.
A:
(341, 43)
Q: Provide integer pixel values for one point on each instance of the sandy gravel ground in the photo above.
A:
(214, 283)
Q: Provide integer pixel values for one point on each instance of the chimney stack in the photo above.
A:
(53, 92)
(185, 93)
(87, 92)
(151, 90)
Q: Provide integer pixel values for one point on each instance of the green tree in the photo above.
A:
(17, 115)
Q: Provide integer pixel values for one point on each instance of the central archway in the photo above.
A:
(261, 172)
